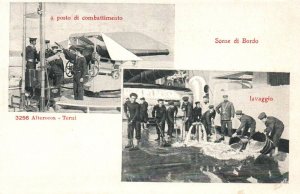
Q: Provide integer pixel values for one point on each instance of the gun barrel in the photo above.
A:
(149, 52)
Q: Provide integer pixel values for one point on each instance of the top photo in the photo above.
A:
(67, 57)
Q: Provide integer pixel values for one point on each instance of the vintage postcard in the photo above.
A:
(183, 96)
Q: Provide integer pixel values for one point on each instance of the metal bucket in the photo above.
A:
(260, 144)
(268, 144)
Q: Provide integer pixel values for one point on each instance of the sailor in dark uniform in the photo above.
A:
(48, 52)
(31, 54)
(144, 112)
(132, 111)
(197, 113)
(32, 58)
(227, 112)
(79, 70)
(159, 112)
(56, 68)
(247, 123)
(274, 130)
(187, 109)
(125, 103)
(171, 117)
(208, 119)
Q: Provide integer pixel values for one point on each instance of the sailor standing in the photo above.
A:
(79, 70)
(159, 113)
(197, 113)
(171, 117)
(187, 109)
(227, 113)
(31, 54)
(205, 104)
(31, 57)
(57, 68)
(144, 112)
(131, 111)
(48, 52)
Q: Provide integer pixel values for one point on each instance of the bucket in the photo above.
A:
(267, 143)
(259, 143)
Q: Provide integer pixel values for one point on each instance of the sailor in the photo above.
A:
(274, 129)
(208, 120)
(31, 57)
(48, 52)
(226, 110)
(80, 72)
(56, 68)
(159, 113)
(187, 109)
(125, 103)
(69, 53)
(197, 113)
(171, 117)
(205, 103)
(31, 54)
(144, 112)
(131, 111)
(247, 123)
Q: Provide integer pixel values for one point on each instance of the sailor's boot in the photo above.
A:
(130, 144)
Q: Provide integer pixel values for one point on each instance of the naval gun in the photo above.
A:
(113, 49)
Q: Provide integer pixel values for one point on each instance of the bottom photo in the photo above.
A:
(205, 126)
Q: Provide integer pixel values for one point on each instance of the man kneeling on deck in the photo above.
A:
(247, 122)
(274, 129)
(131, 111)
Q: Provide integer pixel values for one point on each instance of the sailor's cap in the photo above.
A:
(32, 39)
(238, 112)
(171, 102)
(262, 115)
(133, 94)
(76, 48)
(185, 98)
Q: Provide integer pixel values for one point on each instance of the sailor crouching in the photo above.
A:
(274, 130)
(208, 120)
(247, 124)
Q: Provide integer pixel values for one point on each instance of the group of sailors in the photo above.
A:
(202, 115)
(55, 66)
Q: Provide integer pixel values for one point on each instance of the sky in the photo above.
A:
(154, 20)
